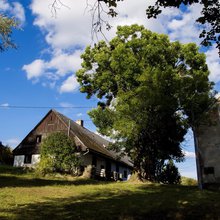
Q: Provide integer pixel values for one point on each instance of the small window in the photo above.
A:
(117, 168)
(38, 138)
(27, 158)
(209, 170)
(94, 161)
(125, 174)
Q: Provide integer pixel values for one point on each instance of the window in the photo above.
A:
(94, 161)
(209, 170)
(38, 138)
(125, 174)
(27, 158)
(117, 168)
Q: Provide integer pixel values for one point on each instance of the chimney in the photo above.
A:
(79, 122)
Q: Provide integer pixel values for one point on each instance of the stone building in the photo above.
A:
(208, 145)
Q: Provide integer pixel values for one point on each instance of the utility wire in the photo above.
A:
(44, 107)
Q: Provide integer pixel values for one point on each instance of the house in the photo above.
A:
(208, 147)
(92, 146)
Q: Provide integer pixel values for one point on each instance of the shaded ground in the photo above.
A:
(83, 199)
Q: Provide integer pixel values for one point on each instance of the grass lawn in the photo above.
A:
(22, 196)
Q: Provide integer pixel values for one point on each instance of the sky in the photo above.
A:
(41, 71)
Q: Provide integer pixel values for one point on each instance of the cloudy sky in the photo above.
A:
(41, 72)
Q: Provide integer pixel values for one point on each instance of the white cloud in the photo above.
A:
(18, 11)
(35, 69)
(69, 85)
(65, 63)
(189, 154)
(184, 28)
(15, 9)
(12, 142)
(61, 65)
(213, 62)
(4, 6)
(4, 105)
(71, 27)
(79, 114)
(66, 104)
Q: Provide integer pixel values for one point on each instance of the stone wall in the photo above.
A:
(208, 136)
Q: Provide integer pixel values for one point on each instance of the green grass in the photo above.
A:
(24, 196)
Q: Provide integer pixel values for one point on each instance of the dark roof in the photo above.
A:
(91, 140)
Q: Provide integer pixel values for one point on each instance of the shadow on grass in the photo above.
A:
(146, 202)
(6, 169)
(16, 181)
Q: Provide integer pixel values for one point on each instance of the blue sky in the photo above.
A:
(41, 72)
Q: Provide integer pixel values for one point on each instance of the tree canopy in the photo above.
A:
(6, 26)
(150, 91)
(209, 19)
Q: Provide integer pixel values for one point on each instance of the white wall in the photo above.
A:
(35, 159)
(18, 161)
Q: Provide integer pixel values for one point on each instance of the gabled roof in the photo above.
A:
(91, 140)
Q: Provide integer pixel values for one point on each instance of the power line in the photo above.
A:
(44, 107)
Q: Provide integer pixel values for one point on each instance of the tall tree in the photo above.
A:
(6, 26)
(148, 88)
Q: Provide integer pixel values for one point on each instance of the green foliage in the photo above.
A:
(58, 154)
(6, 26)
(150, 92)
(6, 155)
(188, 181)
(170, 174)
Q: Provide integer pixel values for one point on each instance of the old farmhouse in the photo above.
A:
(92, 146)
(208, 155)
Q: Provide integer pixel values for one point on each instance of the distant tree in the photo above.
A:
(170, 174)
(58, 154)
(6, 155)
(6, 26)
(150, 92)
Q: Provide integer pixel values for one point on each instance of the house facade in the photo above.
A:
(92, 147)
(208, 141)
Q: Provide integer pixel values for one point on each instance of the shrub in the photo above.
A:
(188, 181)
(58, 154)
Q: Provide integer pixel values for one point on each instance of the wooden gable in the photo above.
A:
(31, 143)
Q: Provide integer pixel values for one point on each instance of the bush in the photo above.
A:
(188, 181)
(45, 166)
(58, 154)
(170, 174)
